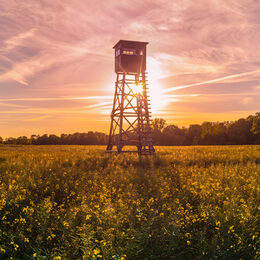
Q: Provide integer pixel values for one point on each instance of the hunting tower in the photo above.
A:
(130, 116)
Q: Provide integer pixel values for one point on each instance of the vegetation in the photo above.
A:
(76, 202)
(242, 131)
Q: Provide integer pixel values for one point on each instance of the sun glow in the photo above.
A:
(155, 73)
(158, 98)
(138, 88)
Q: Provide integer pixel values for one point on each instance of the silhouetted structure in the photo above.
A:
(130, 117)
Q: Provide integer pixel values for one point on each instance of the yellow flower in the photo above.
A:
(88, 217)
(65, 224)
(96, 251)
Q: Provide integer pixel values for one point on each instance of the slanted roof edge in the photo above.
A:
(120, 41)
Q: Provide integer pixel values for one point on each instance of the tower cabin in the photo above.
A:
(130, 57)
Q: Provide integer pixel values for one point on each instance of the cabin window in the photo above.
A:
(129, 51)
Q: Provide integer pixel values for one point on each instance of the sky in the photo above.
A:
(57, 62)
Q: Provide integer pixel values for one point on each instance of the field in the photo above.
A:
(76, 202)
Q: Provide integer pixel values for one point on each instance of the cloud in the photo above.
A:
(17, 40)
(2, 104)
(246, 100)
(214, 80)
(103, 104)
(57, 98)
(39, 118)
(56, 57)
(46, 59)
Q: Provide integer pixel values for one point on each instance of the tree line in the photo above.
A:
(242, 131)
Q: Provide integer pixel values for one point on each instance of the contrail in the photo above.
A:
(212, 80)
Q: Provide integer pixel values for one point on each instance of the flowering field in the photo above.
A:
(76, 202)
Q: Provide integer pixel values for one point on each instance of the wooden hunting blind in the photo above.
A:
(130, 116)
(130, 56)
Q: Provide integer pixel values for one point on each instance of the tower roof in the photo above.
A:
(130, 43)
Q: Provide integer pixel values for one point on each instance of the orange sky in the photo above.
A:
(57, 62)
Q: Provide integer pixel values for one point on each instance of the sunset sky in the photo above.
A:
(57, 62)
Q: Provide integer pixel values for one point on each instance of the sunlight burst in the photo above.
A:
(155, 73)
(138, 88)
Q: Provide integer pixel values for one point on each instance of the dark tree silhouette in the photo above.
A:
(239, 132)
(255, 129)
(173, 135)
(193, 134)
(242, 131)
(158, 125)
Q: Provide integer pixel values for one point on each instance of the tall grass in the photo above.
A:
(76, 202)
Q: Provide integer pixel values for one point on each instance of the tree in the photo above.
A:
(255, 129)
(173, 135)
(10, 140)
(206, 132)
(54, 139)
(193, 134)
(63, 139)
(23, 140)
(158, 124)
(34, 139)
(242, 131)
(239, 132)
(44, 139)
(219, 134)
(256, 124)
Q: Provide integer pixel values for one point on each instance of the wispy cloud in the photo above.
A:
(39, 118)
(99, 104)
(214, 80)
(17, 40)
(57, 98)
(2, 104)
(56, 58)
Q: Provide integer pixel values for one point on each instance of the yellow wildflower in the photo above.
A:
(96, 251)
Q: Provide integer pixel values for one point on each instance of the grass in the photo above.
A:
(76, 202)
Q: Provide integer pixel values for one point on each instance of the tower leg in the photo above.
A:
(111, 134)
(121, 116)
(130, 116)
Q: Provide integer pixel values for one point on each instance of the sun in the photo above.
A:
(138, 88)
(158, 99)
